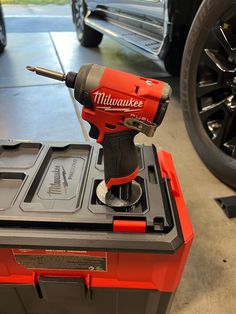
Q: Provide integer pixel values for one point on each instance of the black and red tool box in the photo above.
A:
(63, 252)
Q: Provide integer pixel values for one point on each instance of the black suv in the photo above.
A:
(3, 40)
(196, 38)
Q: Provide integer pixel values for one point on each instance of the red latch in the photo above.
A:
(129, 226)
(167, 170)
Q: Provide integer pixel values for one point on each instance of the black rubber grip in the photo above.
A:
(120, 155)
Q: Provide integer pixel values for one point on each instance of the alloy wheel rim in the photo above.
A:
(216, 85)
(2, 35)
(79, 17)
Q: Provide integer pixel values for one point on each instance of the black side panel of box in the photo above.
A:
(71, 297)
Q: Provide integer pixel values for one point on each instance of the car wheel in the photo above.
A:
(3, 38)
(208, 87)
(87, 36)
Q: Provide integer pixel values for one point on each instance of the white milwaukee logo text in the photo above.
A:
(108, 101)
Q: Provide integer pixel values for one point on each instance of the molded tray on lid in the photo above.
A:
(10, 184)
(59, 182)
(21, 156)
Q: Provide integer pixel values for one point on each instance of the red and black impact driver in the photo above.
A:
(117, 105)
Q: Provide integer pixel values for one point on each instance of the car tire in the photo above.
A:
(3, 38)
(87, 36)
(202, 37)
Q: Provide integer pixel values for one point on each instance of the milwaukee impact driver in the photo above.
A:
(118, 106)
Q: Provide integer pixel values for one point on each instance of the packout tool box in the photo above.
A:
(63, 252)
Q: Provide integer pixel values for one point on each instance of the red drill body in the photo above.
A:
(117, 105)
(119, 96)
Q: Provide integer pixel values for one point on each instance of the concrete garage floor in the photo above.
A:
(35, 108)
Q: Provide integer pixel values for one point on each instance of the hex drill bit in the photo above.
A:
(48, 73)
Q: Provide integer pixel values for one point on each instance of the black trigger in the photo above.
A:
(94, 132)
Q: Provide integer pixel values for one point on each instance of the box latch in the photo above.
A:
(129, 226)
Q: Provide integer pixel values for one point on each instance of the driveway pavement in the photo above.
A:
(45, 18)
(32, 10)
